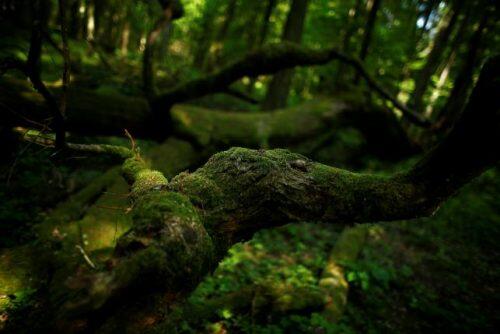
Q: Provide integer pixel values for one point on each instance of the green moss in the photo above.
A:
(19, 271)
(147, 180)
(202, 190)
(157, 207)
(253, 129)
(131, 167)
(75, 206)
(173, 156)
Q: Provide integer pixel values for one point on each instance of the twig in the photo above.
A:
(48, 141)
(132, 141)
(86, 257)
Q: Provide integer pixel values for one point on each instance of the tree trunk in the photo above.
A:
(340, 80)
(374, 6)
(423, 77)
(205, 37)
(221, 35)
(168, 15)
(99, 11)
(279, 87)
(426, 14)
(74, 30)
(463, 81)
(148, 85)
(264, 31)
(125, 38)
(445, 68)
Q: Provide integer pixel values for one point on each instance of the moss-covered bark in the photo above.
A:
(93, 219)
(215, 129)
(88, 112)
(182, 228)
(281, 128)
(269, 60)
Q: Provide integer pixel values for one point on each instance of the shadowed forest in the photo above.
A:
(238, 166)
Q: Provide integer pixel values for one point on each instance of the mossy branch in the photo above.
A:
(269, 60)
(182, 228)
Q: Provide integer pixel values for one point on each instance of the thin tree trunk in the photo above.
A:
(85, 19)
(446, 67)
(222, 34)
(439, 86)
(463, 81)
(90, 18)
(423, 77)
(374, 6)
(431, 5)
(74, 28)
(271, 4)
(125, 40)
(279, 88)
(147, 60)
(346, 42)
(264, 31)
(205, 37)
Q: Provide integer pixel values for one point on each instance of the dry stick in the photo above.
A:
(86, 257)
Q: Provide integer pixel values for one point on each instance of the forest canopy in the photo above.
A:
(230, 166)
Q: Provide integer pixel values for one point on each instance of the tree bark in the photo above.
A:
(279, 87)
